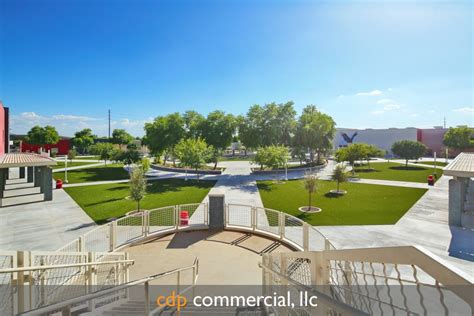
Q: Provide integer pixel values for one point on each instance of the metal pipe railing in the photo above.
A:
(59, 266)
(325, 299)
(65, 305)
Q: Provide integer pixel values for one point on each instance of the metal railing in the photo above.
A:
(388, 280)
(35, 279)
(66, 306)
(163, 220)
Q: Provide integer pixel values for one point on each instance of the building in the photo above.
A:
(60, 148)
(26, 177)
(384, 138)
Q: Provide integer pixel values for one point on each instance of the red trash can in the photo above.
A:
(183, 218)
(59, 184)
(430, 180)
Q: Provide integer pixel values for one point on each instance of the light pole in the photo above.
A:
(65, 169)
(434, 165)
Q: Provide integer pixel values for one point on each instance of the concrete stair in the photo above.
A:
(137, 308)
(22, 199)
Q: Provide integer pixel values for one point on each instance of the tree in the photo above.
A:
(41, 136)
(351, 154)
(217, 130)
(372, 151)
(83, 140)
(271, 124)
(121, 137)
(164, 133)
(137, 185)
(193, 153)
(458, 137)
(310, 185)
(339, 175)
(273, 157)
(105, 151)
(146, 164)
(192, 124)
(408, 149)
(315, 130)
(71, 154)
(130, 156)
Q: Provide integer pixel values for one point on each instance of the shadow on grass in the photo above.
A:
(265, 187)
(104, 201)
(333, 195)
(366, 170)
(407, 168)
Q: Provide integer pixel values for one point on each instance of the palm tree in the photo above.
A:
(339, 175)
(310, 185)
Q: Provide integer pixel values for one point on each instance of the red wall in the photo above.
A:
(63, 147)
(433, 139)
(2, 129)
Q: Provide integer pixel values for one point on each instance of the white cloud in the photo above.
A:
(467, 110)
(391, 107)
(385, 101)
(377, 112)
(371, 93)
(73, 117)
(67, 124)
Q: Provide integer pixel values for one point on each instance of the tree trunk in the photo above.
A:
(138, 203)
(309, 202)
(406, 163)
(215, 165)
(337, 185)
(197, 174)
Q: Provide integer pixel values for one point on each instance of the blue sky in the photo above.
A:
(367, 63)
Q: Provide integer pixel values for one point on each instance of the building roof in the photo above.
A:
(461, 166)
(10, 160)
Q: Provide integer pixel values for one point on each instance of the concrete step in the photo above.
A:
(17, 200)
(15, 181)
(20, 185)
(21, 192)
(467, 219)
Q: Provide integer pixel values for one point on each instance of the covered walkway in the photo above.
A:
(25, 178)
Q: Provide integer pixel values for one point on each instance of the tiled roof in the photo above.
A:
(24, 160)
(461, 166)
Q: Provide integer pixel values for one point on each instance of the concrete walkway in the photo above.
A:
(425, 224)
(43, 225)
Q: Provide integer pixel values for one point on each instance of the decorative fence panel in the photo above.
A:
(161, 219)
(8, 260)
(239, 215)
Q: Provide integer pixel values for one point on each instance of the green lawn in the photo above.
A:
(395, 171)
(364, 204)
(88, 158)
(99, 173)
(104, 201)
(71, 164)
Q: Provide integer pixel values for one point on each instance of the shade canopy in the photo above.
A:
(462, 166)
(11, 160)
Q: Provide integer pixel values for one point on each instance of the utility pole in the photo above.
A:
(109, 124)
(444, 122)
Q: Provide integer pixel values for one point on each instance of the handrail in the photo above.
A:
(71, 265)
(88, 297)
(324, 298)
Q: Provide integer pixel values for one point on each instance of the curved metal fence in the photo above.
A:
(163, 220)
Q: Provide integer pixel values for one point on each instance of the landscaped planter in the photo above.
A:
(309, 209)
(258, 171)
(182, 170)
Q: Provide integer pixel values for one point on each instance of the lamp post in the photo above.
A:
(434, 165)
(65, 169)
